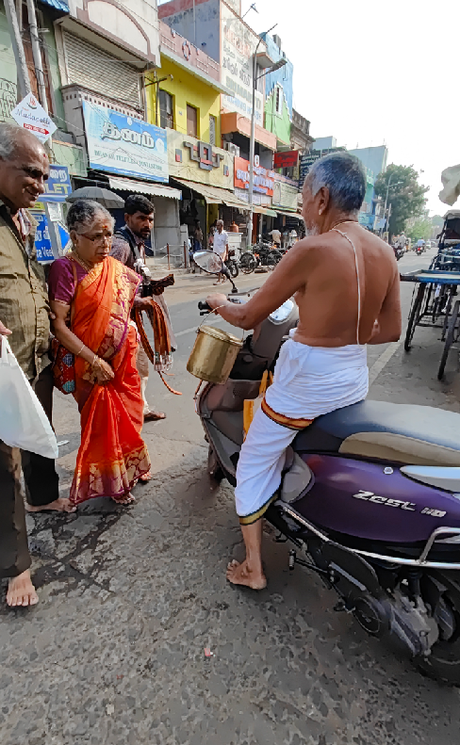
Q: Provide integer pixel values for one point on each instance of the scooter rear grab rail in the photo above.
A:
(421, 562)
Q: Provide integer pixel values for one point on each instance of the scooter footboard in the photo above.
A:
(230, 396)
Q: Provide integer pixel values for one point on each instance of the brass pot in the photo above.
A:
(213, 354)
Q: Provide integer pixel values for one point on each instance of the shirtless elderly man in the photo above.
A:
(346, 284)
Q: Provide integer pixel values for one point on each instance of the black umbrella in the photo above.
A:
(107, 198)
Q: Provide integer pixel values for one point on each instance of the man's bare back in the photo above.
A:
(328, 299)
(319, 271)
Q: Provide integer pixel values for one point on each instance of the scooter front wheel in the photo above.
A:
(214, 469)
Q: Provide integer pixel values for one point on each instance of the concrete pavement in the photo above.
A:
(131, 598)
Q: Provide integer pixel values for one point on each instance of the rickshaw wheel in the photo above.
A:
(450, 338)
(414, 317)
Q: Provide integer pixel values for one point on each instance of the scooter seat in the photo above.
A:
(401, 433)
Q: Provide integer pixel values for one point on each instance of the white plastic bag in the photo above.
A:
(23, 422)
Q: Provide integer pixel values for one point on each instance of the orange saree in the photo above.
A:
(112, 454)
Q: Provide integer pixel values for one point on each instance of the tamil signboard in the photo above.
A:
(58, 186)
(32, 116)
(194, 160)
(121, 144)
(238, 44)
(263, 178)
(308, 159)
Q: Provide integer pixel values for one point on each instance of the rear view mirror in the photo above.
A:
(208, 261)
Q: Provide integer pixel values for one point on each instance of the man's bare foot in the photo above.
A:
(241, 574)
(125, 499)
(59, 505)
(21, 591)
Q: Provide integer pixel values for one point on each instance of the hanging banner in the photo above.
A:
(31, 115)
(263, 178)
(121, 144)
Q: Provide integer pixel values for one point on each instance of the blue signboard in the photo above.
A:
(43, 244)
(122, 144)
(58, 186)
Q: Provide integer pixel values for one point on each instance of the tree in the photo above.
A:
(405, 194)
(421, 228)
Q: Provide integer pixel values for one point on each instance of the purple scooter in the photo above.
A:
(370, 500)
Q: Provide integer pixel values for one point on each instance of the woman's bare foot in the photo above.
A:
(59, 505)
(125, 499)
(242, 574)
(146, 477)
(21, 592)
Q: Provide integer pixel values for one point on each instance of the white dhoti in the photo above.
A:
(308, 382)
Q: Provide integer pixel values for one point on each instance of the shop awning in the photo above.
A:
(144, 187)
(264, 211)
(214, 194)
(297, 215)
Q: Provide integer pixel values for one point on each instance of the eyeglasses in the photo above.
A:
(99, 240)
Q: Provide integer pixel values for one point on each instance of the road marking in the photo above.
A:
(383, 360)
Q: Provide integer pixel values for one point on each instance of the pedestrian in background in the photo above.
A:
(220, 247)
(24, 318)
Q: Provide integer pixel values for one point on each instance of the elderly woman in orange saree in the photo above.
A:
(95, 293)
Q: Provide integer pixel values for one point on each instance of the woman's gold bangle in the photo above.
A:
(80, 350)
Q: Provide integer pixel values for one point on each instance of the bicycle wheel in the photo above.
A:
(247, 263)
(414, 317)
(452, 333)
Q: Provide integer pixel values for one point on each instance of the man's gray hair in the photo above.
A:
(12, 138)
(343, 174)
(83, 212)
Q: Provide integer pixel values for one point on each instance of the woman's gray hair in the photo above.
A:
(83, 212)
(12, 138)
(343, 174)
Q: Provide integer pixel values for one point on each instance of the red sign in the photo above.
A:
(263, 179)
(286, 160)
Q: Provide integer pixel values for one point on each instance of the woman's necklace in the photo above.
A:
(79, 260)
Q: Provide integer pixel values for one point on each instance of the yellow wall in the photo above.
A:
(186, 89)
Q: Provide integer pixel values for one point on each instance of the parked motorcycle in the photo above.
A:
(266, 256)
(232, 264)
(369, 499)
(247, 262)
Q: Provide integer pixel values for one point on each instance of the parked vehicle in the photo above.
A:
(247, 262)
(267, 256)
(232, 264)
(369, 500)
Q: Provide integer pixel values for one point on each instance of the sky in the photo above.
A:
(376, 73)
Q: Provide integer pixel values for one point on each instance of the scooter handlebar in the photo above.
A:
(202, 305)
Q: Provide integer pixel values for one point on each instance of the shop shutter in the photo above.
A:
(102, 73)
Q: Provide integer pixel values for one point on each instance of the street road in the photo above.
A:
(114, 654)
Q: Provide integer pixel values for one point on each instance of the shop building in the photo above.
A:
(106, 50)
(185, 93)
(205, 175)
(49, 13)
(217, 28)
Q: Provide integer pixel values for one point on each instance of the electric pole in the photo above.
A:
(37, 54)
(18, 50)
